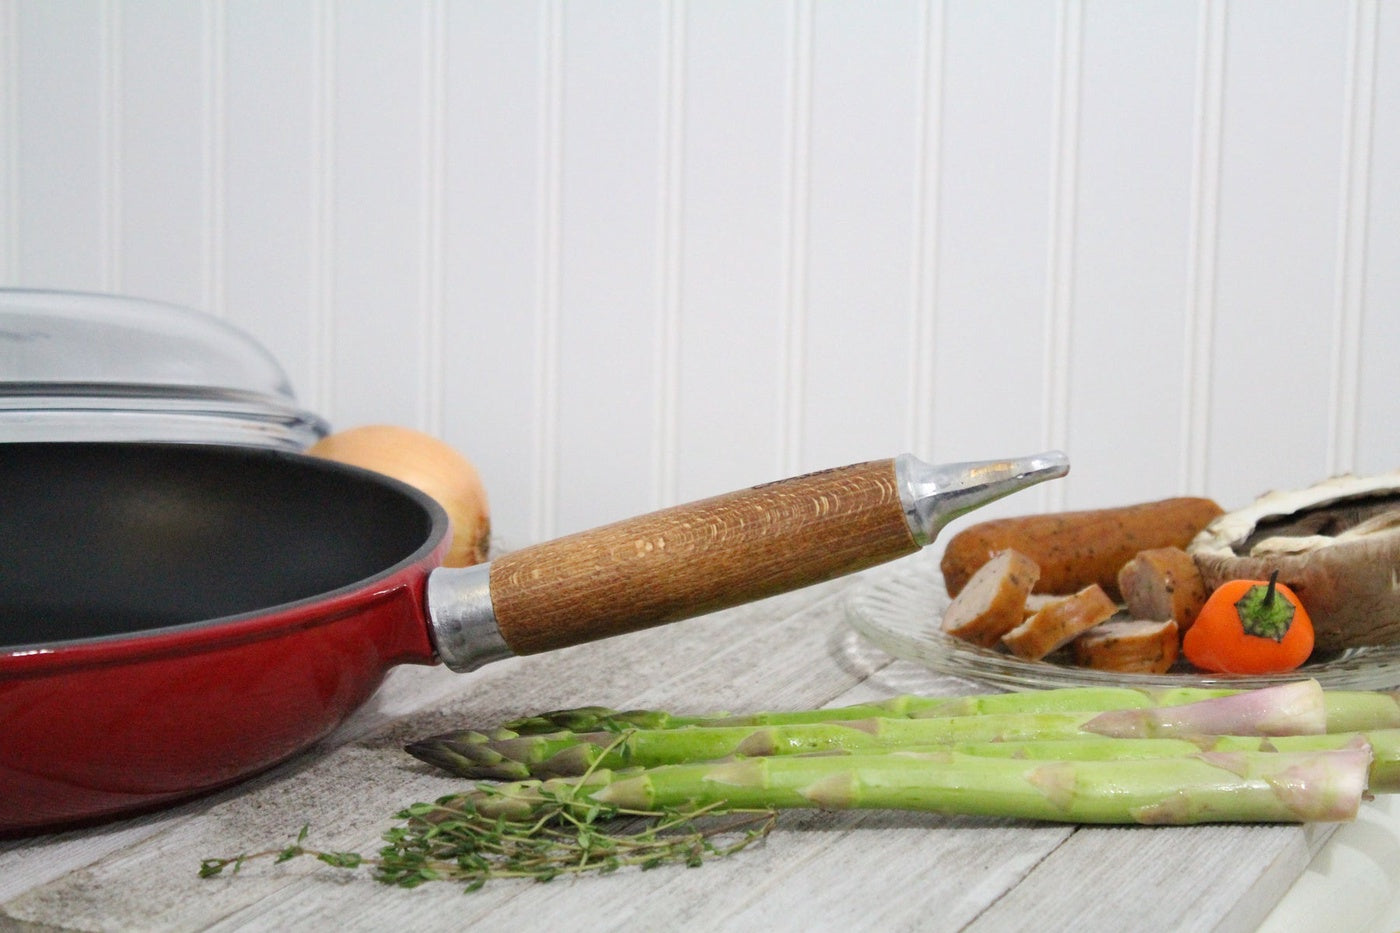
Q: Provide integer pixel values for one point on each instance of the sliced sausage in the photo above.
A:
(1163, 583)
(1133, 646)
(1059, 623)
(993, 602)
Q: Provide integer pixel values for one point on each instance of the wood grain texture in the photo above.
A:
(692, 559)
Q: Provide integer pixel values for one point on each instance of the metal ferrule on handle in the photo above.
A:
(703, 556)
(461, 618)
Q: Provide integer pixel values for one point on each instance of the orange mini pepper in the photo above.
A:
(1250, 627)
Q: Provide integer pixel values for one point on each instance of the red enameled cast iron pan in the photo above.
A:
(174, 618)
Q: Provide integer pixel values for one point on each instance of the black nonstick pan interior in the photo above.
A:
(114, 539)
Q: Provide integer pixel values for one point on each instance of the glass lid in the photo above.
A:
(77, 366)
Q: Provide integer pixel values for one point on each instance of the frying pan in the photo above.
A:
(175, 618)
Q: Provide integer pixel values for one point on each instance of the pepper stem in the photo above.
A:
(1269, 594)
(1261, 614)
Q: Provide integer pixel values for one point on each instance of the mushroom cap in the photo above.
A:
(1336, 544)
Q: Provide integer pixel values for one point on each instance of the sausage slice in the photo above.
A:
(1163, 583)
(1059, 623)
(993, 601)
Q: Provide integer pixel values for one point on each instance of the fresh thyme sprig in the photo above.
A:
(449, 840)
(559, 833)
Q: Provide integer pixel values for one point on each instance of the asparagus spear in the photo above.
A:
(1347, 710)
(906, 706)
(503, 755)
(507, 757)
(1205, 787)
(1384, 775)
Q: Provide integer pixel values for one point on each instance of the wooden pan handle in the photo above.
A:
(697, 558)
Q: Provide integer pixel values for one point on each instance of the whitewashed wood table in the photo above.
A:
(818, 871)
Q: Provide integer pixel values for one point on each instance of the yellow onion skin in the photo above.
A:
(428, 464)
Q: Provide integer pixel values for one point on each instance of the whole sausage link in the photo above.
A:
(1075, 549)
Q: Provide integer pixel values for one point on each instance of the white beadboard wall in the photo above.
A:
(634, 252)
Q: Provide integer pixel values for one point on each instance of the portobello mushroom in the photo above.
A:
(1337, 546)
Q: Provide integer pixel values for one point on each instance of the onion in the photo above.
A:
(427, 464)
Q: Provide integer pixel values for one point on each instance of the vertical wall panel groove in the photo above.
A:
(433, 149)
(670, 230)
(732, 244)
(322, 246)
(1059, 302)
(110, 140)
(1378, 443)
(215, 155)
(550, 200)
(795, 214)
(993, 230)
(1275, 277)
(1351, 235)
(9, 141)
(923, 326)
(1203, 251)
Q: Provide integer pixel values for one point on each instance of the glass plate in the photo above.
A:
(899, 608)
